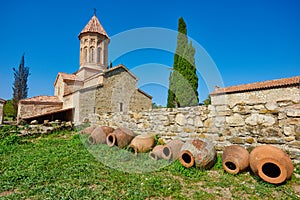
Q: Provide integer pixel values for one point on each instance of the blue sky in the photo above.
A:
(248, 41)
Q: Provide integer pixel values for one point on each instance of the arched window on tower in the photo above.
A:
(99, 55)
(85, 58)
(92, 54)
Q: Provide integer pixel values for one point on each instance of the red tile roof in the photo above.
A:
(42, 99)
(49, 113)
(284, 82)
(94, 26)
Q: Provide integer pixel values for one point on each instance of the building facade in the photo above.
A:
(92, 89)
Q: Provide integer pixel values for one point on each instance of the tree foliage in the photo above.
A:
(9, 110)
(183, 80)
(207, 101)
(20, 88)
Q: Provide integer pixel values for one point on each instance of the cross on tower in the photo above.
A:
(95, 11)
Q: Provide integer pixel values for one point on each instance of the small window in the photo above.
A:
(92, 54)
(98, 55)
(121, 107)
(85, 58)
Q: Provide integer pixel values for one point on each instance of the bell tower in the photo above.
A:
(94, 45)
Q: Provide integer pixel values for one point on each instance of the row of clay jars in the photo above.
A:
(197, 152)
(120, 137)
(194, 152)
(270, 163)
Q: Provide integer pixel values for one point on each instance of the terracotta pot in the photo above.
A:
(142, 143)
(121, 137)
(199, 153)
(235, 159)
(171, 150)
(88, 130)
(271, 164)
(98, 136)
(107, 130)
(156, 153)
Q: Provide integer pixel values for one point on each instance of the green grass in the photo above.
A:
(62, 165)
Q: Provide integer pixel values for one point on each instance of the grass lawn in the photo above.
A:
(62, 165)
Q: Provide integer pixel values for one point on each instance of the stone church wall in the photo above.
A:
(118, 91)
(140, 102)
(274, 121)
(36, 108)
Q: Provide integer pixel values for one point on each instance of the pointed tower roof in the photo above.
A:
(94, 26)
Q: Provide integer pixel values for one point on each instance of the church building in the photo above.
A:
(93, 89)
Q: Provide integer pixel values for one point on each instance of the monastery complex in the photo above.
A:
(94, 88)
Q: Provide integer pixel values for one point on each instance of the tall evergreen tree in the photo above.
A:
(20, 88)
(183, 80)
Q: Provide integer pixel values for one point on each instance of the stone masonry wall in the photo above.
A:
(248, 124)
(33, 109)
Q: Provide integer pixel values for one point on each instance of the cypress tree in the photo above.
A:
(183, 80)
(20, 88)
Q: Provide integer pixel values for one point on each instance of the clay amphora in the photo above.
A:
(142, 143)
(271, 164)
(156, 153)
(199, 153)
(98, 136)
(235, 159)
(171, 150)
(121, 137)
(88, 130)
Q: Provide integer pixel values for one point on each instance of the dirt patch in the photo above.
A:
(7, 193)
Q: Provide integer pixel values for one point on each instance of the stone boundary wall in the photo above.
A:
(246, 124)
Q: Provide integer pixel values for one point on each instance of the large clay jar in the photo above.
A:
(156, 153)
(88, 130)
(121, 137)
(235, 159)
(142, 143)
(98, 136)
(199, 153)
(107, 130)
(271, 164)
(171, 150)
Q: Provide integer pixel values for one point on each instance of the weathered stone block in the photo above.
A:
(271, 106)
(289, 139)
(190, 121)
(273, 132)
(288, 130)
(237, 140)
(259, 107)
(250, 140)
(198, 122)
(293, 112)
(235, 120)
(241, 109)
(180, 119)
(295, 144)
(219, 121)
(258, 119)
(271, 140)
